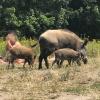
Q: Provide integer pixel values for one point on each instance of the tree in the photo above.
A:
(32, 17)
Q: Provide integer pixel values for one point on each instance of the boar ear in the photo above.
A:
(85, 42)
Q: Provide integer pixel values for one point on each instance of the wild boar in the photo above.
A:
(21, 52)
(66, 54)
(52, 40)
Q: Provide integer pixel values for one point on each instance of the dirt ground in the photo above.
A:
(67, 83)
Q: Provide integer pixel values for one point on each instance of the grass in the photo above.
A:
(33, 84)
(96, 86)
(77, 89)
(93, 48)
(2, 46)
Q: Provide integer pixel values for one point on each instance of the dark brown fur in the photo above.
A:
(67, 54)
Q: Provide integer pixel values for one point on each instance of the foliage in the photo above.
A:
(32, 17)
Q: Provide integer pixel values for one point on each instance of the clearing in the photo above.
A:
(66, 83)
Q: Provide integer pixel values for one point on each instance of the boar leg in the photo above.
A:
(54, 62)
(8, 65)
(30, 63)
(24, 63)
(12, 62)
(40, 61)
(69, 62)
(44, 54)
(46, 62)
(61, 62)
(78, 62)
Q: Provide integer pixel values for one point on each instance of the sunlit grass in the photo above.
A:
(77, 89)
(93, 48)
(24, 42)
(96, 86)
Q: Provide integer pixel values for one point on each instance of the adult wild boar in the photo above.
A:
(52, 40)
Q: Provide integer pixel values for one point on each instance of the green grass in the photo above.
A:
(2, 47)
(96, 86)
(77, 89)
(24, 42)
(93, 49)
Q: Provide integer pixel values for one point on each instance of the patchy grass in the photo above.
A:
(24, 42)
(93, 49)
(33, 84)
(77, 89)
(96, 86)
